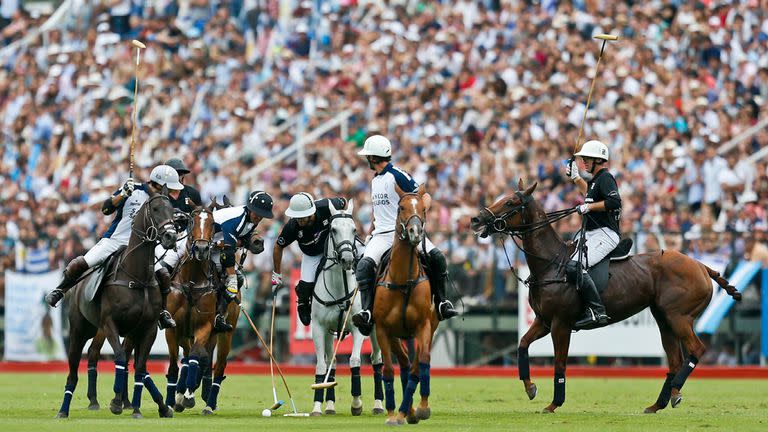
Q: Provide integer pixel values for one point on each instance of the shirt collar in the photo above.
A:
(385, 170)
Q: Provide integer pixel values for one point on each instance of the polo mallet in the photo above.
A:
(272, 358)
(325, 384)
(605, 38)
(139, 46)
(278, 403)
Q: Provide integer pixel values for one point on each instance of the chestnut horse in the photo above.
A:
(403, 310)
(192, 302)
(675, 287)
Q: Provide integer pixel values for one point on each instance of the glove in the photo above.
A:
(231, 290)
(277, 282)
(127, 188)
(180, 221)
(582, 208)
(572, 170)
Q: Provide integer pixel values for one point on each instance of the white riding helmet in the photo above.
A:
(165, 175)
(376, 145)
(593, 149)
(302, 205)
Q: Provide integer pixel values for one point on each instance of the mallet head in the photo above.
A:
(606, 37)
(138, 44)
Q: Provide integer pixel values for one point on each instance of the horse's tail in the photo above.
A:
(730, 289)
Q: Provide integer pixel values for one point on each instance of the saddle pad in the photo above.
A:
(622, 251)
(381, 271)
(88, 303)
(600, 275)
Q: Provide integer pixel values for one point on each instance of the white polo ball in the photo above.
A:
(266, 413)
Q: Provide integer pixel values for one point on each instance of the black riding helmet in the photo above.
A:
(260, 203)
(178, 165)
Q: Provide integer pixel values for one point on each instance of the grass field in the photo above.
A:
(29, 402)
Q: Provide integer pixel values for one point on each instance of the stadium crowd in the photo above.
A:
(473, 94)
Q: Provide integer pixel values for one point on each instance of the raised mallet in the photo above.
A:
(139, 46)
(605, 38)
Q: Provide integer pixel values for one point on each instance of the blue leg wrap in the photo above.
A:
(153, 390)
(138, 386)
(686, 370)
(389, 391)
(356, 386)
(424, 379)
(319, 392)
(181, 385)
(405, 405)
(121, 375)
(523, 367)
(192, 374)
(92, 378)
(170, 390)
(213, 395)
(68, 391)
(559, 398)
(330, 393)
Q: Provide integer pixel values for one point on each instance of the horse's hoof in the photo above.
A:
(392, 422)
(126, 404)
(62, 414)
(651, 409)
(94, 406)
(178, 408)
(412, 418)
(423, 413)
(357, 411)
(548, 410)
(189, 402)
(330, 411)
(676, 399)
(165, 411)
(207, 411)
(378, 411)
(315, 414)
(532, 391)
(137, 415)
(115, 407)
(378, 407)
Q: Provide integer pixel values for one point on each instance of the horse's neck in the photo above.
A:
(139, 258)
(195, 271)
(542, 246)
(333, 279)
(405, 259)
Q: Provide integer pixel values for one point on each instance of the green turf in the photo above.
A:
(30, 401)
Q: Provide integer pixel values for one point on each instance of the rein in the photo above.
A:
(338, 249)
(149, 235)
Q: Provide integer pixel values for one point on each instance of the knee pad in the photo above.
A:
(437, 261)
(240, 278)
(304, 289)
(572, 268)
(366, 272)
(228, 258)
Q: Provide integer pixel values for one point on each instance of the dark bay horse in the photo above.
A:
(127, 304)
(675, 287)
(403, 309)
(192, 302)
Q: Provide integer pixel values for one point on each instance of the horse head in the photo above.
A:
(506, 214)
(157, 219)
(200, 240)
(411, 216)
(341, 238)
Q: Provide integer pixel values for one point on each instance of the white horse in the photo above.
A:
(333, 291)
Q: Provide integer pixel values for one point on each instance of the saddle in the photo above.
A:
(92, 285)
(381, 270)
(600, 273)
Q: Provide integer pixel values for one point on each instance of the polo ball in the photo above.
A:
(266, 413)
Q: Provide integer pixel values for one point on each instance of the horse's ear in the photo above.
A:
(212, 205)
(399, 191)
(520, 185)
(350, 206)
(227, 202)
(531, 188)
(332, 208)
(423, 189)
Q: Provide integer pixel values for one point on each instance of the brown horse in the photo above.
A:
(403, 310)
(675, 287)
(192, 302)
(127, 305)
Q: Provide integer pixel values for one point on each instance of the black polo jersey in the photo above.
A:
(603, 187)
(311, 238)
(189, 198)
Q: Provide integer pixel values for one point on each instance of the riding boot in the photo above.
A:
(304, 301)
(164, 281)
(220, 324)
(72, 273)
(438, 275)
(594, 315)
(366, 278)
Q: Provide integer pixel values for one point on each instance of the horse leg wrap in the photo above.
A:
(389, 391)
(356, 387)
(121, 374)
(206, 387)
(559, 398)
(194, 369)
(125, 384)
(424, 379)
(182, 382)
(378, 390)
(213, 395)
(682, 375)
(92, 376)
(170, 390)
(404, 378)
(319, 392)
(152, 389)
(330, 393)
(410, 389)
(666, 392)
(523, 367)
(68, 391)
(138, 386)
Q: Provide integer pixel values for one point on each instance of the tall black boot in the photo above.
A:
(366, 278)
(72, 272)
(164, 281)
(304, 292)
(594, 315)
(438, 275)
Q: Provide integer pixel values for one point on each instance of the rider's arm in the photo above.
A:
(112, 203)
(287, 236)
(277, 259)
(581, 185)
(607, 188)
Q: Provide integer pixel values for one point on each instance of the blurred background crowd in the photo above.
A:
(473, 94)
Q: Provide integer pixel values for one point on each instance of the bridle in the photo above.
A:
(194, 242)
(403, 225)
(339, 247)
(150, 235)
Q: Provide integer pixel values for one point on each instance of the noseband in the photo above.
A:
(404, 225)
(499, 223)
(152, 233)
(195, 241)
(344, 245)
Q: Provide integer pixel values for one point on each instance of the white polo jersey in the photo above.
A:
(384, 197)
(120, 229)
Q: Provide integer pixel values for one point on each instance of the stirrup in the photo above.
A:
(220, 325)
(166, 320)
(363, 321)
(54, 297)
(446, 311)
